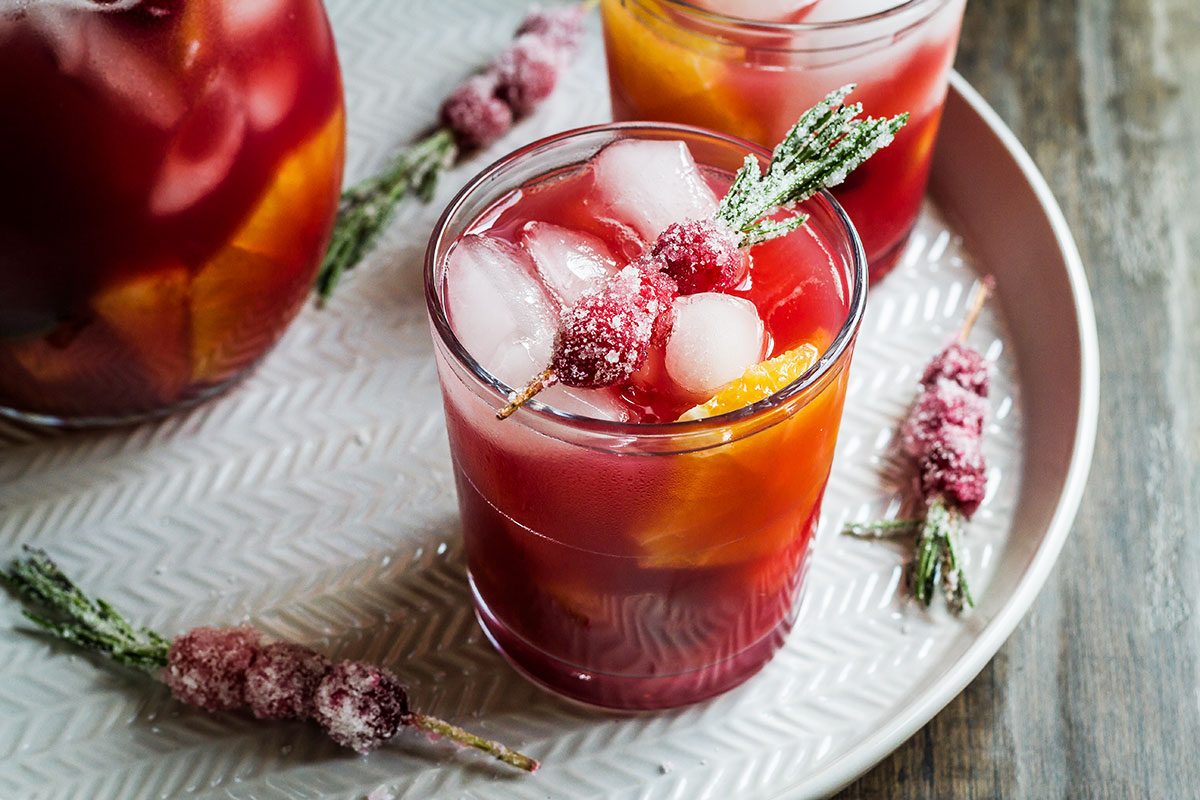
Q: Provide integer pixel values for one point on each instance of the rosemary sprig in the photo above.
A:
(825, 145)
(937, 559)
(368, 207)
(56, 605)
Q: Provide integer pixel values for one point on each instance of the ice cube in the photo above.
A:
(594, 403)
(715, 338)
(842, 10)
(203, 150)
(90, 47)
(765, 10)
(271, 90)
(497, 308)
(647, 185)
(247, 17)
(568, 262)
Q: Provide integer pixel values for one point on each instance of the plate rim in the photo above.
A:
(922, 708)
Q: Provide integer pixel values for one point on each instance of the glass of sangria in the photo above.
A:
(749, 67)
(640, 546)
(169, 176)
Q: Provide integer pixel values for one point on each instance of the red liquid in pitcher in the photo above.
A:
(169, 172)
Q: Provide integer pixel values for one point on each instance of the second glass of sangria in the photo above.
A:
(749, 67)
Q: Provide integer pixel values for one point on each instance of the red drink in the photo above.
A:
(618, 556)
(169, 173)
(671, 61)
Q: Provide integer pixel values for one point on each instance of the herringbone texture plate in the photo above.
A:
(316, 500)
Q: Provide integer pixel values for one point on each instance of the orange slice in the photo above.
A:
(757, 383)
(665, 71)
(149, 314)
(292, 219)
(754, 496)
(243, 297)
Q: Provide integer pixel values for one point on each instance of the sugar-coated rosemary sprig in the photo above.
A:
(358, 705)
(55, 604)
(943, 434)
(825, 145)
(937, 560)
(480, 110)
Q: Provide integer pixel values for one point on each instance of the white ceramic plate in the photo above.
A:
(316, 500)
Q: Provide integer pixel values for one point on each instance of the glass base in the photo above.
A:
(34, 419)
(626, 692)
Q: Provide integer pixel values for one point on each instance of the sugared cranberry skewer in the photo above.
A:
(943, 434)
(606, 334)
(595, 347)
(358, 705)
(477, 113)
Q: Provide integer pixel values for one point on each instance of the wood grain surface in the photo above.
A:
(1097, 695)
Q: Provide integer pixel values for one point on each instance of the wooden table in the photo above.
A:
(1097, 694)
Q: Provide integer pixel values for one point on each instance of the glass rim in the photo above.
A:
(768, 26)
(826, 361)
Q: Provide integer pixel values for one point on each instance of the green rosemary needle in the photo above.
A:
(368, 207)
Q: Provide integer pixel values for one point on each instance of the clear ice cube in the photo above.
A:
(765, 10)
(245, 18)
(87, 46)
(203, 150)
(271, 91)
(594, 403)
(647, 185)
(497, 308)
(568, 262)
(841, 10)
(714, 339)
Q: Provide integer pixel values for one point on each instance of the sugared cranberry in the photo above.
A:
(701, 255)
(606, 334)
(360, 706)
(959, 363)
(955, 469)
(206, 667)
(562, 26)
(474, 112)
(942, 404)
(526, 73)
(283, 680)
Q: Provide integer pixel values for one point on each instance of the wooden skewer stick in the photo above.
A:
(977, 303)
(544, 379)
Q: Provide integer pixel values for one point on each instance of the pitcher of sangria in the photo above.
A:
(169, 175)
